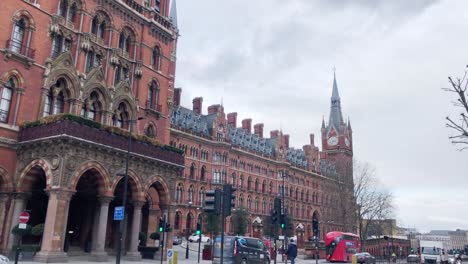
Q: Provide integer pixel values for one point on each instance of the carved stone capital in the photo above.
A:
(4, 196)
(105, 199)
(138, 204)
(21, 196)
(61, 194)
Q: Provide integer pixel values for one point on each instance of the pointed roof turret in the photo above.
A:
(173, 14)
(336, 117)
(323, 122)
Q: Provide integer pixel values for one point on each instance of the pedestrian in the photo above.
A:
(292, 251)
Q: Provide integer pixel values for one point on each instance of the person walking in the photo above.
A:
(292, 251)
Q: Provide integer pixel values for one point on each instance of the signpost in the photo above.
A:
(23, 220)
(118, 213)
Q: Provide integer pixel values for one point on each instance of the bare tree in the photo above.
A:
(374, 201)
(460, 125)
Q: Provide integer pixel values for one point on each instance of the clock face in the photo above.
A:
(220, 128)
(332, 141)
(347, 142)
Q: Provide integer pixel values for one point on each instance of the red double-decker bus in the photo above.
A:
(340, 246)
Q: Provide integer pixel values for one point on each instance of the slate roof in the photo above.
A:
(297, 157)
(327, 168)
(188, 119)
(336, 117)
(240, 137)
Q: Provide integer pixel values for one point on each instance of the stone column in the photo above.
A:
(19, 204)
(153, 222)
(4, 197)
(99, 254)
(133, 254)
(55, 226)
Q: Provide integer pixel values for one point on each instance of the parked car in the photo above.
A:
(413, 258)
(195, 238)
(365, 257)
(176, 240)
(241, 250)
(4, 260)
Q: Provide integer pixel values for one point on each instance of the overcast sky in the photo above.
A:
(272, 61)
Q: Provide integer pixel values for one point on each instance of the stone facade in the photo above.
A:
(92, 71)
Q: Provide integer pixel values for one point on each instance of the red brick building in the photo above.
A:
(219, 149)
(112, 63)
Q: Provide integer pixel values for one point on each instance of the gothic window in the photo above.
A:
(203, 173)
(177, 221)
(256, 185)
(233, 179)
(55, 99)
(241, 181)
(264, 207)
(263, 186)
(101, 30)
(241, 201)
(94, 25)
(121, 116)
(5, 100)
(57, 46)
(179, 189)
(307, 196)
(121, 73)
(192, 171)
(156, 58)
(249, 203)
(150, 131)
(271, 187)
(92, 107)
(92, 60)
(249, 183)
(63, 8)
(72, 13)
(153, 96)
(190, 194)
(18, 36)
(201, 196)
(157, 6)
(297, 193)
(256, 204)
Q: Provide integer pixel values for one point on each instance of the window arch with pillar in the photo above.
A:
(56, 100)
(121, 116)
(6, 99)
(192, 171)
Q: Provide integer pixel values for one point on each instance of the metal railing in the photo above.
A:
(18, 47)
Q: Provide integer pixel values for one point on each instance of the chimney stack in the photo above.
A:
(274, 134)
(312, 139)
(177, 94)
(197, 104)
(286, 140)
(212, 109)
(232, 119)
(258, 130)
(247, 124)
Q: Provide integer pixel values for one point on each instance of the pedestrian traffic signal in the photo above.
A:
(161, 225)
(213, 201)
(282, 225)
(168, 228)
(229, 199)
(198, 229)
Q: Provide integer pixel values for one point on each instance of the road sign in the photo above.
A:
(24, 217)
(119, 213)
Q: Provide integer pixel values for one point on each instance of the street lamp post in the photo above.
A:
(189, 227)
(124, 199)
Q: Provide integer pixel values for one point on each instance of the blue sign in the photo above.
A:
(119, 213)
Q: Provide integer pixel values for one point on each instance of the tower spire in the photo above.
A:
(173, 14)
(336, 117)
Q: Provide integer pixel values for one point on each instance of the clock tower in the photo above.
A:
(337, 141)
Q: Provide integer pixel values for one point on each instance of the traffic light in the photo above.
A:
(168, 228)
(229, 199)
(161, 225)
(412, 250)
(282, 221)
(213, 201)
(274, 216)
(282, 225)
(198, 229)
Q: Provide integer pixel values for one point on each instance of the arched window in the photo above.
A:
(201, 196)
(192, 171)
(101, 30)
(233, 179)
(18, 36)
(203, 173)
(177, 221)
(91, 109)
(249, 203)
(72, 13)
(121, 116)
(190, 194)
(256, 205)
(263, 186)
(271, 187)
(241, 182)
(150, 131)
(264, 206)
(156, 59)
(179, 189)
(256, 185)
(63, 8)
(5, 100)
(94, 25)
(153, 96)
(249, 183)
(55, 99)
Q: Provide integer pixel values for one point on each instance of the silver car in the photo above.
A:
(4, 260)
(365, 257)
